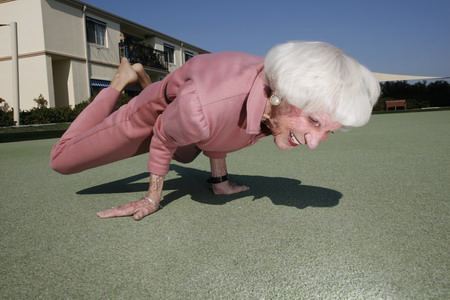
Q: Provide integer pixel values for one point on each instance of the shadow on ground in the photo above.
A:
(29, 136)
(281, 191)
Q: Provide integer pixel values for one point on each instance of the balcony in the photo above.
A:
(145, 55)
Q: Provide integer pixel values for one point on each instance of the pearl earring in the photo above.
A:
(275, 100)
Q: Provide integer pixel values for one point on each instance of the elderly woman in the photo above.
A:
(216, 104)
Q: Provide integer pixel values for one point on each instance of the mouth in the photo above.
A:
(293, 140)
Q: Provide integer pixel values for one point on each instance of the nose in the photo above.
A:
(313, 139)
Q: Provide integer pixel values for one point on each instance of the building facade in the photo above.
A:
(69, 50)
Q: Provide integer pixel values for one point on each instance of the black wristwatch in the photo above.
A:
(215, 180)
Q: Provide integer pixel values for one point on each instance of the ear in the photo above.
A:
(295, 111)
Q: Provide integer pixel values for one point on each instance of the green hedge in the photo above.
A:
(417, 95)
(6, 118)
(45, 115)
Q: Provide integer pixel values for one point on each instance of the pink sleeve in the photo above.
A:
(182, 123)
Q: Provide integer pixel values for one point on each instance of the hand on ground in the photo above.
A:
(138, 210)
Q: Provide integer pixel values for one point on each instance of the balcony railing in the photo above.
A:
(147, 56)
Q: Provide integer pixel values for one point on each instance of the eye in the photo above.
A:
(314, 122)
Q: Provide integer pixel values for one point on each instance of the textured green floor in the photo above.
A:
(365, 216)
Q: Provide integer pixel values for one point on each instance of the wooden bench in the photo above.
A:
(395, 104)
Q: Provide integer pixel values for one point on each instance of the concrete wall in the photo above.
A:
(35, 78)
(63, 28)
(102, 72)
(78, 83)
(27, 14)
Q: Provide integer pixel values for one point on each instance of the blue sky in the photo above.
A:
(389, 36)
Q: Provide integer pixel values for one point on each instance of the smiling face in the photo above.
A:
(291, 127)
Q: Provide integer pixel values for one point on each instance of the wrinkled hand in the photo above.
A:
(225, 188)
(137, 209)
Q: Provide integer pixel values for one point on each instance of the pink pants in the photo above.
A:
(101, 135)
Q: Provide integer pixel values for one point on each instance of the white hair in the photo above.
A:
(317, 76)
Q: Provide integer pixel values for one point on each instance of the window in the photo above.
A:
(169, 51)
(96, 31)
(188, 55)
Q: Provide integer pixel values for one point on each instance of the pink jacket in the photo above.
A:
(218, 103)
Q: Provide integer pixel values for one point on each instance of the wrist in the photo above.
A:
(152, 202)
(219, 179)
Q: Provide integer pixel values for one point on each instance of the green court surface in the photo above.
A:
(365, 216)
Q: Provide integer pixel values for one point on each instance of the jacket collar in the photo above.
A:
(256, 103)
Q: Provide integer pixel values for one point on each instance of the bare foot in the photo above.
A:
(124, 76)
(144, 79)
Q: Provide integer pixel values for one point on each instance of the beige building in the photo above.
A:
(68, 50)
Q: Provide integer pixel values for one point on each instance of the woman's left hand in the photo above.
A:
(136, 209)
(141, 208)
(226, 188)
(218, 169)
